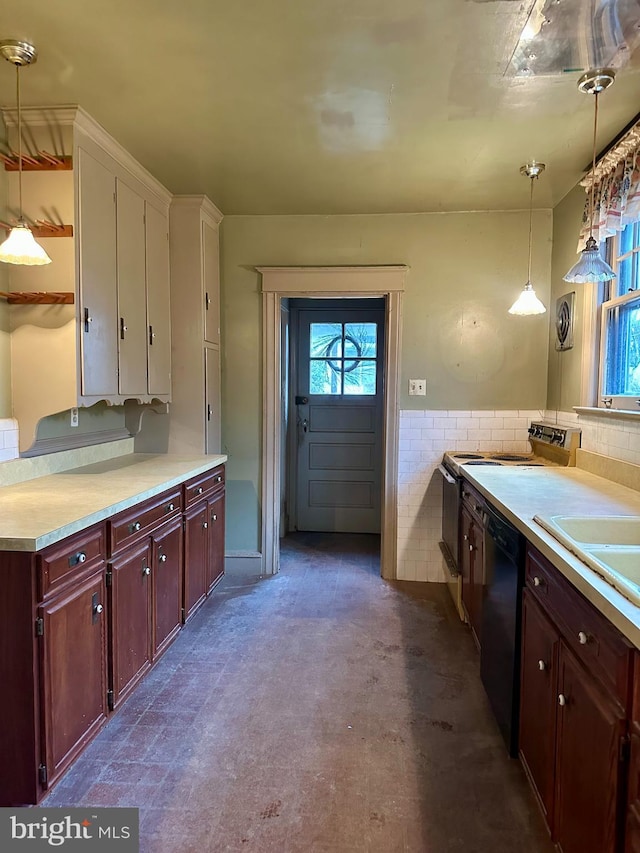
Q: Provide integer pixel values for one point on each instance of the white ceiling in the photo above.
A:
(322, 106)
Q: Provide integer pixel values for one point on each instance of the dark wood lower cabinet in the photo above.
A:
(166, 575)
(215, 563)
(196, 554)
(130, 606)
(73, 665)
(472, 569)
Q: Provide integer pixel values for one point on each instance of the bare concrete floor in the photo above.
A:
(322, 711)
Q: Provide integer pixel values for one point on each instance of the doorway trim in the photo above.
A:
(284, 282)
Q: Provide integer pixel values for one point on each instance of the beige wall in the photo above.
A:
(565, 368)
(465, 271)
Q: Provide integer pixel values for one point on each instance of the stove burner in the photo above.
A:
(530, 465)
(510, 457)
(482, 462)
(467, 456)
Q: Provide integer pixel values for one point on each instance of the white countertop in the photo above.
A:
(521, 493)
(41, 511)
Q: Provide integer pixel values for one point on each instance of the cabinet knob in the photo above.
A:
(542, 665)
(98, 608)
(81, 557)
(134, 527)
(465, 537)
(170, 507)
(146, 570)
(583, 639)
(471, 547)
(562, 700)
(199, 490)
(219, 479)
(163, 558)
(214, 518)
(205, 525)
(537, 581)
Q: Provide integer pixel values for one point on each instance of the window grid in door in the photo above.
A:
(342, 359)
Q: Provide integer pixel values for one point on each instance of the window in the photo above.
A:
(342, 358)
(620, 356)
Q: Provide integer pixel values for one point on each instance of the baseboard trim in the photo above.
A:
(243, 563)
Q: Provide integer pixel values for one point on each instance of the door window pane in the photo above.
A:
(325, 339)
(360, 377)
(364, 338)
(324, 378)
(342, 358)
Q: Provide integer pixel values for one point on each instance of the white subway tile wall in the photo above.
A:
(424, 437)
(8, 439)
(615, 437)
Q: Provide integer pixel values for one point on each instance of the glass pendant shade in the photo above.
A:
(20, 247)
(527, 303)
(591, 266)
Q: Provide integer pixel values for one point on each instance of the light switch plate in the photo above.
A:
(417, 387)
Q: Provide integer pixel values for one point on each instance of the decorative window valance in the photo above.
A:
(616, 199)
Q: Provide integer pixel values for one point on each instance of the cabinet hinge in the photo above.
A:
(184, 523)
(625, 748)
(109, 577)
(182, 614)
(42, 774)
(39, 627)
(110, 700)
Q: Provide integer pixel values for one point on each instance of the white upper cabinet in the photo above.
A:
(211, 282)
(113, 342)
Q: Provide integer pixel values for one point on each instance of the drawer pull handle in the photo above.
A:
(199, 490)
(204, 525)
(134, 527)
(562, 700)
(542, 665)
(170, 508)
(583, 639)
(537, 581)
(98, 608)
(80, 557)
(219, 479)
(146, 570)
(163, 558)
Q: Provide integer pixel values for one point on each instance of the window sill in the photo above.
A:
(618, 414)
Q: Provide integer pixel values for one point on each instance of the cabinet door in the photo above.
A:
(130, 618)
(97, 259)
(195, 557)
(132, 319)
(73, 653)
(158, 306)
(215, 563)
(590, 729)
(476, 549)
(538, 701)
(211, 276)
(213, 439)
(632, 830)
(166, 567)
(465, 560)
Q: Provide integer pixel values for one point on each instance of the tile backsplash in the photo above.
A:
(424, 437)
(8, 439)
(614, 436)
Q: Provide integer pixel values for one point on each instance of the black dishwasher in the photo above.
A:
(501, 623)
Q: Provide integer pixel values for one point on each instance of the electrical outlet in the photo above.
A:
(74, 417)
(417, 387)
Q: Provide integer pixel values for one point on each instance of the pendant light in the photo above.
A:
(528, 302)
(591, 266)
(20, 247)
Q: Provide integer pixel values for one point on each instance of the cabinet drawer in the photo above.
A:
(62, 562)
(593, 639)
(203, 485)
(473, 501)
(132, 524)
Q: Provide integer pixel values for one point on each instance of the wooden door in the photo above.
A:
(97, 260)
(339, 395)
(466, 522)
(538, 702)
(215, 563)
(167, 579)
(158, 301)
(73, 654)
(590, 731)
(213, 440)
(211, 277)
(132, 311)
(195, 557)
(130, 618)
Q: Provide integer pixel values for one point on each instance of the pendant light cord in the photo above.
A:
(593, 166)
(19, 140)
(533, 177)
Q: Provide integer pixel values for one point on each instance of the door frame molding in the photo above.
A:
(317, 282)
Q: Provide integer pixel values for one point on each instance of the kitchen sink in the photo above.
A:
(609, 545)
(595, 530)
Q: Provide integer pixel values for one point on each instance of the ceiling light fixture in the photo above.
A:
(528, 303)
(20, 247)
(591, 266)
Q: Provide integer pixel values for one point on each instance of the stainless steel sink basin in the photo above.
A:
(595, 530)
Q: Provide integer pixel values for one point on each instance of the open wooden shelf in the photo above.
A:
(52, 297)
(42, 162)
(44, 228)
